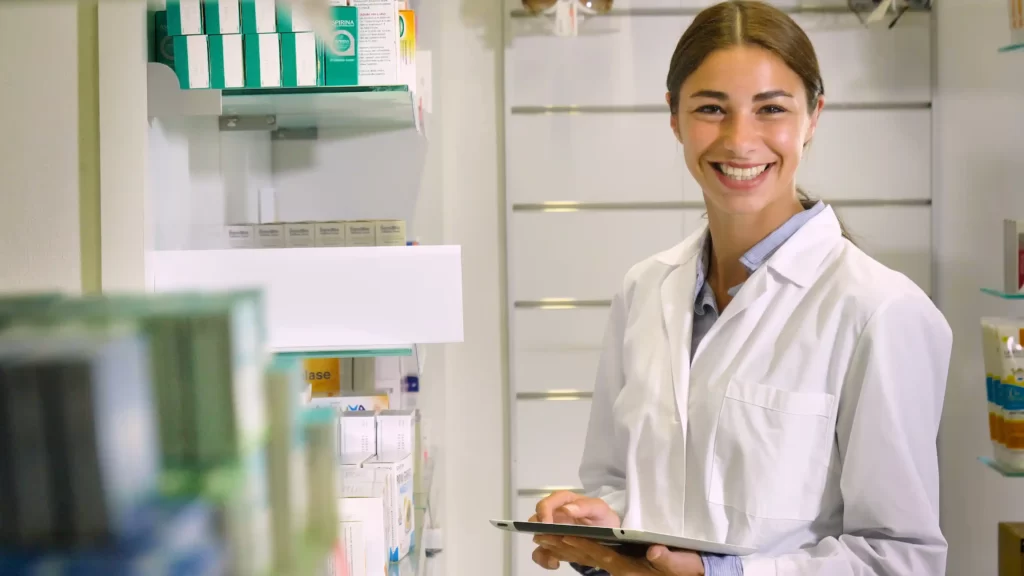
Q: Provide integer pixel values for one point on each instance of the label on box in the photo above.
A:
(360, 233)
(341, 51)
(259, 16)
(262, 60)
(223, 16)
(192, 61)
(358, 433)
(299, 235)
(270, 235)
(390, 232)
(401, 519)
(299, 59)
(227, 65)
(330, 233)
(324, 375)
(240, 236)
(378, 41)
(184, 17)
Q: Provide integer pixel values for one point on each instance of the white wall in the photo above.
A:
(40, 246)
(978, 141)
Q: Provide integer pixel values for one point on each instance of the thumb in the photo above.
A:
(668, 562)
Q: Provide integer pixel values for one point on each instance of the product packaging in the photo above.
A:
(299, 235)
(301, 58)
(270, 236)
(290, 18)
(369, 513)
(227, 64)
(342, 50)
(184, 17)
(259, 16)
(992, 356)
(396, 432)
(407, 48)
(330, 233)
(360, 233)
(164, 47)
(324, 375)
(222, 16)
(192, 61)
(378, 41)
(241, 236)
(400, 512)
(354, 402)
(1009, 393)
(390, 232)
(358, 434)
(262, 61)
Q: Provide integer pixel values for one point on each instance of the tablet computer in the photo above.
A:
(627, 542)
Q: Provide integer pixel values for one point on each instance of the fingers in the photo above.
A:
(671, 562)
(545, 559)
(600, 556)
(546, 507)
(587, 511)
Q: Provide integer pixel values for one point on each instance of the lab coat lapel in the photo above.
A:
(677, 309)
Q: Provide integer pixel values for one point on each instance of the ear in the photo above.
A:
(673, 118)
(815, 115)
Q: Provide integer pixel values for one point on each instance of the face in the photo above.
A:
(743, 120)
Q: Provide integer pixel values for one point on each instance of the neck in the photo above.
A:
(732, 235)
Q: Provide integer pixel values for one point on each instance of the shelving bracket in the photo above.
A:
(247, 123)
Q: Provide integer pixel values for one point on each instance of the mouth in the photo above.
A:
(742, 177)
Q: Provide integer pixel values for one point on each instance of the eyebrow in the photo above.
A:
(715, 94)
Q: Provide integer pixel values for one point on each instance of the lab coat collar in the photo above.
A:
(800, 258)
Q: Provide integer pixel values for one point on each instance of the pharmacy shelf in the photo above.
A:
(348, 352)
(1012, 48)
(355, 108)
(1003, 295)
(330, 299)
(1009, 473)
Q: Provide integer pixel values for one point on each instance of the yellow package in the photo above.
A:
(323, 375)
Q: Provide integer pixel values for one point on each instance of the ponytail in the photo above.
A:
(808, 202)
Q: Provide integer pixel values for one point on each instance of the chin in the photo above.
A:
(739, 202)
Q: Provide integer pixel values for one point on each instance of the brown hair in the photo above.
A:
(748, 23)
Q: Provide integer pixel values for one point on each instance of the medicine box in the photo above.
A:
(353, 402)
(291, 18)
(342, 50)
(227, 64)
(324, 375)
(184, 17)
(192, 61)
(222, 16)
(270, 235)
(259, 16)
(378, 41)
(262, 60)
(330, 233)
(396, 432)
(407, 48)
(299, 235)
(241, 236)
(164, 45)
(357, 433)
(370, 513)
(301, 56)
(390, 232)
(401, 518)
(361, 233)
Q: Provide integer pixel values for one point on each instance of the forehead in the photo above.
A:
(743, 71)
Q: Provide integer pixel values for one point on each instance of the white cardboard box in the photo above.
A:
(396, 432)
(241, 236)
(299, 235)
(360, 233)
(400, 529)
(370, 513)
(270, 235)
(330, 233)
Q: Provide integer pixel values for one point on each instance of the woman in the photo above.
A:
(765, 383)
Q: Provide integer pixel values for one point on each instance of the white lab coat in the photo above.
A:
(805, 425)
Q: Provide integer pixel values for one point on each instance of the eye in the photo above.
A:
(709, 109)
(773, 109)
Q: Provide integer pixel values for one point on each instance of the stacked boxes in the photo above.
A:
(271, 44)
(358, 233)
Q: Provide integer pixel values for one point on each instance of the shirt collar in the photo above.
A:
(753, 258)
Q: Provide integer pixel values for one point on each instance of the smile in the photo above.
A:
(740, 174)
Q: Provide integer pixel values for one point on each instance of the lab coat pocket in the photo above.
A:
(771, 451)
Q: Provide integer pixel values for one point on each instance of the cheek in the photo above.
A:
(786, 140)
(697, 137)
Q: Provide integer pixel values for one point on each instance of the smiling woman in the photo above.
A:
(764, 383)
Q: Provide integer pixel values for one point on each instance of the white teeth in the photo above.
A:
(742, 173)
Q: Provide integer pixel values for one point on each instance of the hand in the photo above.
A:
(570, 508)
(659, 562)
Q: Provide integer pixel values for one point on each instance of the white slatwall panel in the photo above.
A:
(897, 236)
(549, 442)
(635, 157)
(557, 349)
(586, 254)
(621, 60)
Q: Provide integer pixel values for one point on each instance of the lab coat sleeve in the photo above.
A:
(887, 428)
(603, 469)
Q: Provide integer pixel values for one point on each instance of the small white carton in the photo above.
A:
(299, 235)
(357, 434)
(401, 518)
(396, 432)
(270, 236)
(330, 234)
(241, 236)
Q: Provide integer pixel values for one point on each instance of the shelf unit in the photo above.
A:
(220, 157)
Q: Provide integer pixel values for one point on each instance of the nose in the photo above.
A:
(740, 135)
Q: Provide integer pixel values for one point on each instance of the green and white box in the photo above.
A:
(262, 60)
(192, 61)
(259, 16)
(184, 17)
(341, 51)
(222, 16)
(291, 18)
(227, 63)
(301, 59)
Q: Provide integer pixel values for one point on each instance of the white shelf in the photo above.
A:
(357, 108)
(332, 298)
